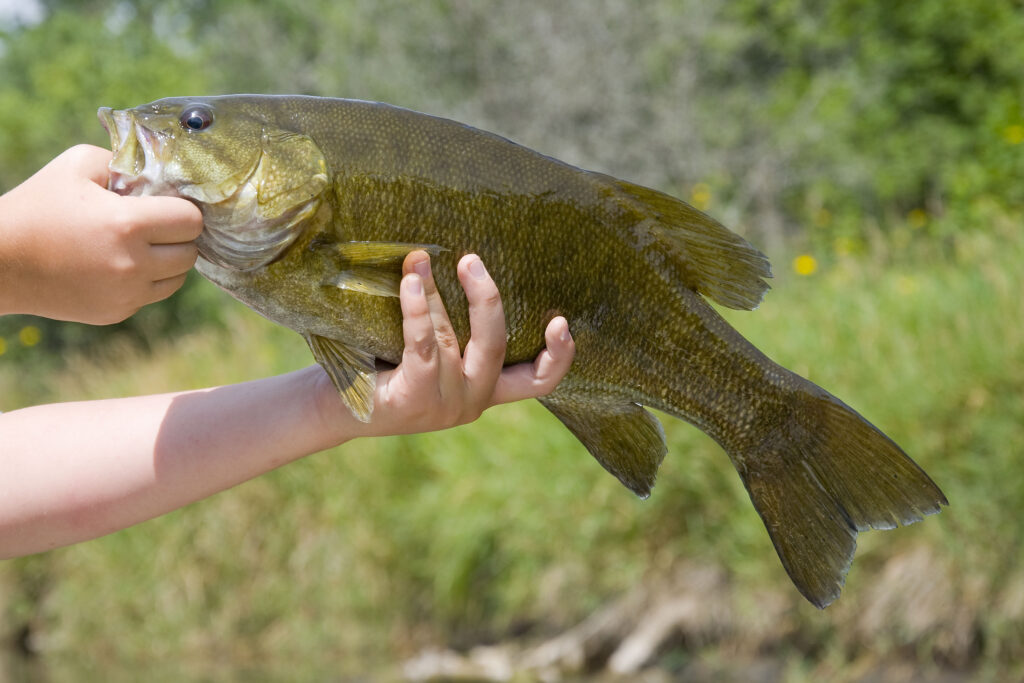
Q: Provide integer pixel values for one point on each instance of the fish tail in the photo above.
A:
(818, 474)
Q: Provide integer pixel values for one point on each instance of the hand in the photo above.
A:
(435, 386)
(72, 250)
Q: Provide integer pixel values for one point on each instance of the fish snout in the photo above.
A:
(136, 161)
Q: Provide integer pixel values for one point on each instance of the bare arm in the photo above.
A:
(74, 471)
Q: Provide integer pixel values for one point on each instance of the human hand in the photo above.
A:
(435, 386)
(72, 250)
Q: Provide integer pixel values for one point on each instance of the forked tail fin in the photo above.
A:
(822, 474)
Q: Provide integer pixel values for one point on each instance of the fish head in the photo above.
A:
(255, 180)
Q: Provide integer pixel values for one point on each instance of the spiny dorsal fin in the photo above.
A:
(626, 439)
(718, 263)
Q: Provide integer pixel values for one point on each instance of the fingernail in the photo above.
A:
(415, 285)
(422, 268)
(565, 334)
(477, 270)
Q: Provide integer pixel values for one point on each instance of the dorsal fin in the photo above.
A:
(717, 262)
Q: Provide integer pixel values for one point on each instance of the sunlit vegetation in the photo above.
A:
(875, 151)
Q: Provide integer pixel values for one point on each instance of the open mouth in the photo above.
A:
(136, 167)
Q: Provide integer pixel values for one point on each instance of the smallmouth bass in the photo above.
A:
(311, 204)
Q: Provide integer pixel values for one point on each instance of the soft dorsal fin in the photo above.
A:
(717, 262)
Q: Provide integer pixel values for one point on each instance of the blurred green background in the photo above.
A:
(875, 151)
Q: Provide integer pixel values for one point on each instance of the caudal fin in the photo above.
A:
(821, 475)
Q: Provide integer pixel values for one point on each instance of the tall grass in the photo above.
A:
(361, 555)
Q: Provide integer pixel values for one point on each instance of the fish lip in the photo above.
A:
(136, 164)
(106, 117)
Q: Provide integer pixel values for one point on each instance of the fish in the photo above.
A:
(310, 205)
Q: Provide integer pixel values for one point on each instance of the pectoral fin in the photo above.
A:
(378, 282)
(374, 267)
(626, 439)
(352, 371)
(382, 253)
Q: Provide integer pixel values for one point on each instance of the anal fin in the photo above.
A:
(352, 371)
(627, 440)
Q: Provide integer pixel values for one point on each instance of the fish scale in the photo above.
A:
(312, 203)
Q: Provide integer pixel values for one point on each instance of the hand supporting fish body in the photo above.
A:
(311, 204)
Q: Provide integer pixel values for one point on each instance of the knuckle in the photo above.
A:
(124, 267)
(81, 154)
(424, 349)
(124, 225)
(544, 387)
(76, 153)
(446, 340)
(492, 297)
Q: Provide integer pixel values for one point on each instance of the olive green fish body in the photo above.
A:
(311, 204)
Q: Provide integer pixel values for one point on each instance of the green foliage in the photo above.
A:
(886, 139)
(360, 555)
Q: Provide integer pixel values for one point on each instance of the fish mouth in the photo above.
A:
(137, 165)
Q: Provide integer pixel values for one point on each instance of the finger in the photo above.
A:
(161, 289)
(448, 353)
(91, 161)
(485, 350)
(171, 260)
(172, 220)
(420, 359)
(531, 380)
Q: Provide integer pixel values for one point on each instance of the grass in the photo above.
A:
(361, 555)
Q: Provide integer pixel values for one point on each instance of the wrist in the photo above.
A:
(12, 295)
(334, 422)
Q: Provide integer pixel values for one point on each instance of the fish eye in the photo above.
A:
(196, 118)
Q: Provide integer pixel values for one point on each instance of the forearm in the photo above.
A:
(76, 471)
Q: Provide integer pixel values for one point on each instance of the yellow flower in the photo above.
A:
(700, 196)
(1014, 134)
(29, 335)
(805, 264)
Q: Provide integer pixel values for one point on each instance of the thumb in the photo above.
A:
(90, 162)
